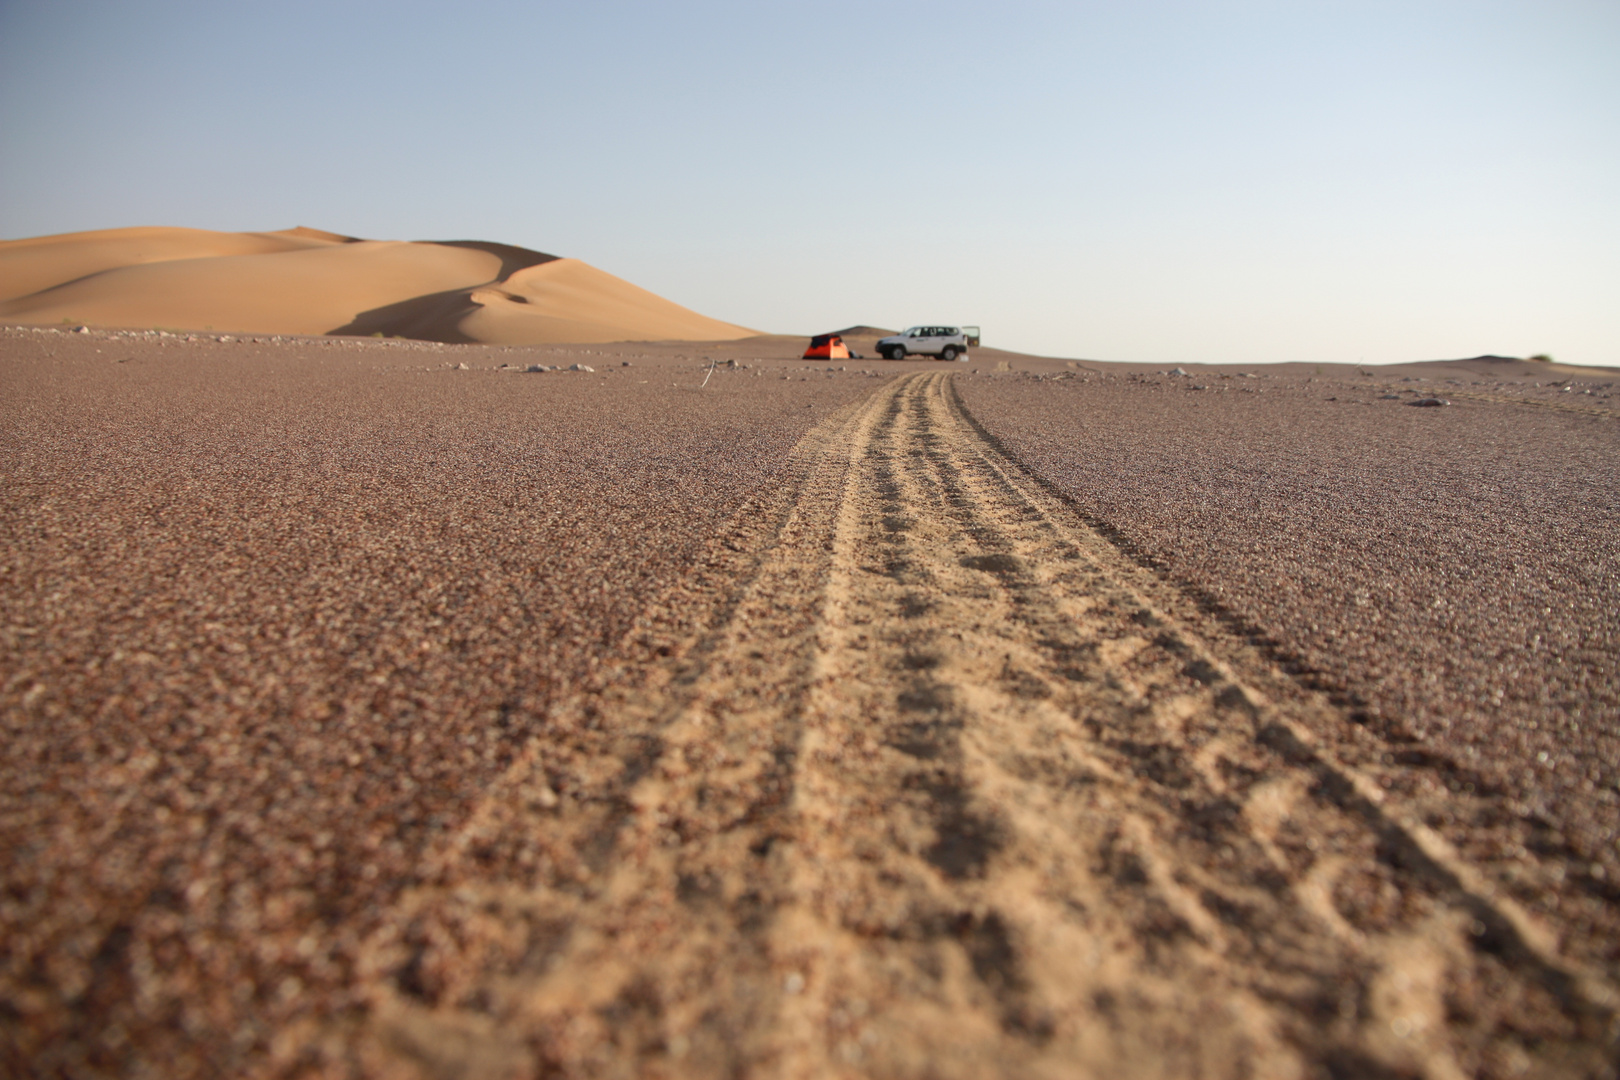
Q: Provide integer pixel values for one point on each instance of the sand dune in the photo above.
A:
(568, 300)
(43, 262)
(305, 281)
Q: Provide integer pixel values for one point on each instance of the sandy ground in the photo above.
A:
(1445, 574)
(305, 281)
(368, 714)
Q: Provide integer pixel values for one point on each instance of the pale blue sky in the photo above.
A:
(1160, 182)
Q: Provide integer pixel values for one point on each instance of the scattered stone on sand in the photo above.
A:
(1177, 371)
(215, 833)
(582, 367)
(1430, 402)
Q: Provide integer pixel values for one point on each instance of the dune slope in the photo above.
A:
(42, 262)
(304, 281)
(568, 300)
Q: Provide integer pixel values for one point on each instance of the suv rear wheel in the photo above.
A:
(951, 352)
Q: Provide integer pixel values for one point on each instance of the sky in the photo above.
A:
(1155, 181)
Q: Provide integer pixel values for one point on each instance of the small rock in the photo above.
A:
(1177, 371)
(463, 367)
(81, 329)
(1389, 397)
(1430, 402)
(625, 363)
(538, 367)
(582, 367)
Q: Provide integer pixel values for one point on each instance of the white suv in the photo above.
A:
(945, 342)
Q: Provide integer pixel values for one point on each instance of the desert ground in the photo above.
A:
(512, 705)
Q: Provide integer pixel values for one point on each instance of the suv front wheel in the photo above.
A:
(895, 352)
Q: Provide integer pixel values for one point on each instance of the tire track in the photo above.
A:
(950, 787)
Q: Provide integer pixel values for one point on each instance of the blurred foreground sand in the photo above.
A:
(381, 708)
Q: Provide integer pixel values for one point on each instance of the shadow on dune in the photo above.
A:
(437, 316)
(512, 258)
(434, 317)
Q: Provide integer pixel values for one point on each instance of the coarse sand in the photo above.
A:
(275, 614)
(1449, 574)
(394, 709)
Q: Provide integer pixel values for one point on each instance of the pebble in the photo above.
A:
(1383, 517)
(270, 804)
(582, 367)
(1430, 402)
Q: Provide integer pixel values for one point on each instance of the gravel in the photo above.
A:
(1451, 576)
(274, 615)
(277, 610)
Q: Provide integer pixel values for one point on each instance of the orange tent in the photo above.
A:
(827, 347)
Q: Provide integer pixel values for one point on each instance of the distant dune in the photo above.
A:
(305, 281)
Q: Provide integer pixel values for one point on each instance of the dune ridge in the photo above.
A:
(312, 282)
